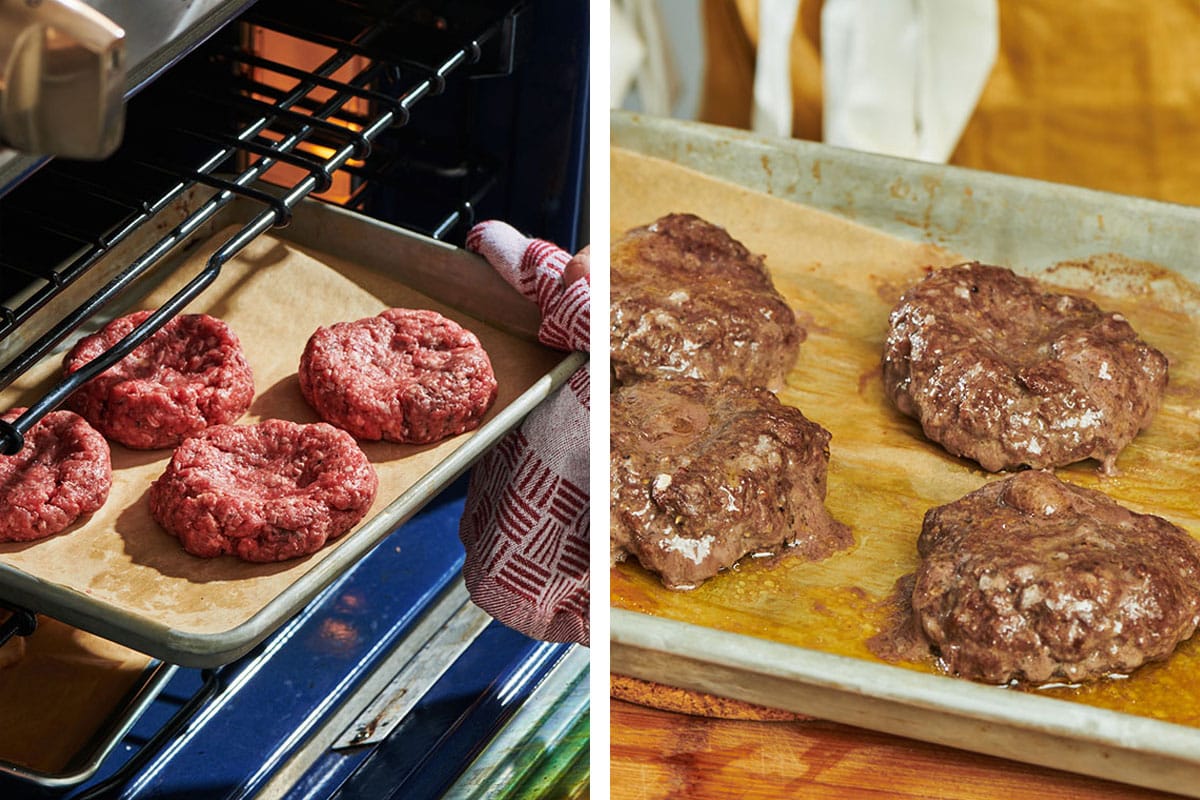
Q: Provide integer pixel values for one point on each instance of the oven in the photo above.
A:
(373, 132)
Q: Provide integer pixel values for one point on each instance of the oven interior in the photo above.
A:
(427, 115)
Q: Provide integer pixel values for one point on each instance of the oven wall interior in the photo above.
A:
(506, 139)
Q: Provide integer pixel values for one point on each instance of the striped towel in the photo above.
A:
(525, 525)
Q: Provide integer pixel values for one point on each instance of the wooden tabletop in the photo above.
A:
(658, 754)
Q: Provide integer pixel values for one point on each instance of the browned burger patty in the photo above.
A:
(265, 492)
(1032, 579)
(63, 472)
(190, 374)
(705, 473)
(406, 375)
(1001, 371)
(689, 301)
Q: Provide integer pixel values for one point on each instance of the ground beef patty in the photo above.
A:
(407, 375)
(63, 472)
(999, 370)
(1032, 579)
(705, 473)
(690, 301)
(265, 492)
(190, 374)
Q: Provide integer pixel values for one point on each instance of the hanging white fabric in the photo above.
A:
(640, 57)
(772, 110)
(903, 78)
(626, 54)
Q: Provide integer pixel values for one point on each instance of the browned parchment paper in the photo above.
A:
(273, 296)
(883, 474)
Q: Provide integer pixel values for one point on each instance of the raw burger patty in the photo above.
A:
(265, 492)
(690, 301)
(999, 370)
(705, 473)
(63, 472)
(407, 375)
(1032, 579)
(190, 374)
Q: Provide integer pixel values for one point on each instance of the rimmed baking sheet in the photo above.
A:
(117, 574)
(793, 635)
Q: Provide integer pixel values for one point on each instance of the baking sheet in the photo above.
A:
(118, 574)
(807, 619)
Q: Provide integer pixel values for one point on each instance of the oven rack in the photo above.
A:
(43, 253)
(305, 114)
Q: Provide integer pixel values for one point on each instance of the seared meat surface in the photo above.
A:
(1031, 579)
(1001, 371)
(690, 301)
(705, 473)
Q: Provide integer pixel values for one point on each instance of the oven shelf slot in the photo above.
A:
(278, 67)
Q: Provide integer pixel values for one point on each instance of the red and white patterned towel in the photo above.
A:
(525, 525)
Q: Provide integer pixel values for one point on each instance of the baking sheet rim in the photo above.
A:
(721, 152)
(211, 649)
(668, 647)
(214, 649)
(683, 645)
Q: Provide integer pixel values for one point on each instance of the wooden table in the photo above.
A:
(658, 754)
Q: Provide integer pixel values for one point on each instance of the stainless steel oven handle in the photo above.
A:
(62, 78)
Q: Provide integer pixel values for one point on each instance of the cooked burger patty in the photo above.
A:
(190, 374)
(63, 472)
(705, 473)
(1001, 371)
(1032, 579)
(406, 375)
(265, 492)
(690, 301)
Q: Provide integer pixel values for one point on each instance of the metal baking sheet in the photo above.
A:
(115, 575)
(734, 638)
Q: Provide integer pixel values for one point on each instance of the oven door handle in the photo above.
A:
(62, 78)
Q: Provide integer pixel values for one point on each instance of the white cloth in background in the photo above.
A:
(626, 54)
(525, 523)
(641, 57)
(903, 78)
(771, 114)
(899, 77)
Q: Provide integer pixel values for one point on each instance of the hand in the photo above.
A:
(525, 524)
(579, 267)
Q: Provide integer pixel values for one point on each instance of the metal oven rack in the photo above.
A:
(310, 113)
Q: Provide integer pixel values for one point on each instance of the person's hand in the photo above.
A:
(525, 524)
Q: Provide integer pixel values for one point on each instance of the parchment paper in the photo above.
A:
(273, 296)
(844, 279)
